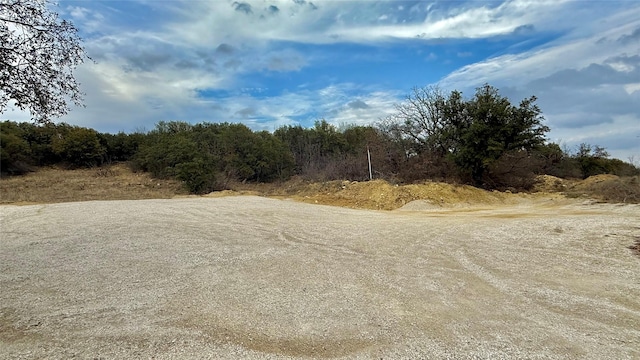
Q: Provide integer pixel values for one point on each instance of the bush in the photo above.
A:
(171, 152)
(198, 175)
(162, 152)
(79, 147)
(121, 146)
(15, 154)
(514, 171)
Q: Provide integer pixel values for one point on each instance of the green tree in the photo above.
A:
(120, 146)
(40, 138)
(15, 153)
(594, 160)
(313, 149)
(494, 127)
(274, 161)
(79, 146)
(298, 140)
(163, 149)
(473, 134)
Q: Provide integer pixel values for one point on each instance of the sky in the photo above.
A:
(270, 63)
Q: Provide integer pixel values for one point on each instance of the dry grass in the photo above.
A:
(605, 187)
(116, 182)
(608, 188)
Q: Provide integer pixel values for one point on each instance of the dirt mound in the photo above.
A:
(548, 183)
(420, 205)
(378, 194)
(609, 188)
(593, 181)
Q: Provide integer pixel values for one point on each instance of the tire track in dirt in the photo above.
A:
(250, 277)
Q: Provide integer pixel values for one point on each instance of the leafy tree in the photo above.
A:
(239, 152)
(327, 138)
(15, 154)
(494, 127)
(313, 149)
(591, 160)
(165, 148)
(197, 174)
(594, 160)
(79, 146)
(38, 53)
(474, 134)
(243, 155)
(121, 146)
(274, 160)
(40, 139)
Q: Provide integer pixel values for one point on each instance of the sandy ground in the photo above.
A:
(251, 277)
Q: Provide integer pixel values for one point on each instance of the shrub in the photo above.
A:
(15, 154)
(79, 147)
(198, 175)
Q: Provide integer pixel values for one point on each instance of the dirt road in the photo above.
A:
(251, 277)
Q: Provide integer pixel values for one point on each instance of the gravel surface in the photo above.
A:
(251, 277)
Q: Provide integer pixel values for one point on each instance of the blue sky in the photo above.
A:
(268, 63)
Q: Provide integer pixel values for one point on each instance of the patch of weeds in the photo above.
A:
(636, 246)
(105, 171)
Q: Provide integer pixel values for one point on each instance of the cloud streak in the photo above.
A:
(325, 22)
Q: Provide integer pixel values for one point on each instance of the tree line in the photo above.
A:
(485, 141)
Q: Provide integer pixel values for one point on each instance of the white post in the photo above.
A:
(369, 158)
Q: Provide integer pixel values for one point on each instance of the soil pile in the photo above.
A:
(378, 194)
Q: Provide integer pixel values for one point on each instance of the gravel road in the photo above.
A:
(258, 278)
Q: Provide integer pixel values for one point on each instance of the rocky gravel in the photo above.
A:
(257, 278)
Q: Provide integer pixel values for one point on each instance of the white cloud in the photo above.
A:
(586, 83)
(355, 21)
(89, 20)
(364, 110)
(78, 13)
(333, 103)
(127, 107)
(631, 88)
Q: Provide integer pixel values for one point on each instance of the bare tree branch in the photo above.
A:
(38, 54)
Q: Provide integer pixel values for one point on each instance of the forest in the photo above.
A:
(485, 141)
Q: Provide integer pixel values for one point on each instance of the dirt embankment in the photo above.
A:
(376, 194)
(118, 182)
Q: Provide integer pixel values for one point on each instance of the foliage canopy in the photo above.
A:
(472, 134)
